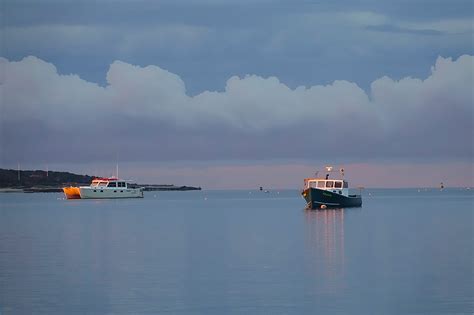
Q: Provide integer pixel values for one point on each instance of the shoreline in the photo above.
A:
(55, 189)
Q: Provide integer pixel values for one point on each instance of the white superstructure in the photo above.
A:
(336, 186)
(109, 188)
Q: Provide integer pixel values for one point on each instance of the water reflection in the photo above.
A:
(325, 242)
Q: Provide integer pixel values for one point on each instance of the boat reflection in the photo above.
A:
(325, 241)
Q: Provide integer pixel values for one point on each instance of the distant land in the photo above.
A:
(53, 181)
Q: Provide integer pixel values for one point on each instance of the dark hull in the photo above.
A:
(317, 199)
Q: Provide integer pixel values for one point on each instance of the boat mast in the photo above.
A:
(116, 165)
(328, 170)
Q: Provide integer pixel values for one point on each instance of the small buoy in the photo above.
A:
(323, 206)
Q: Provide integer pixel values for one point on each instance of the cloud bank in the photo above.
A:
(145, 114)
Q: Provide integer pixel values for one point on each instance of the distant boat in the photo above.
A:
(322, 193)
(103, 188)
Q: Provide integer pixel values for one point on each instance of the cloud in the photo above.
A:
(32, 88)
(92, 39)
(249, 102)
(147, 110)
(447, 26)
(306, 43)
(387, 28)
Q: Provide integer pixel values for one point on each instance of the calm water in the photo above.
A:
(234, 252)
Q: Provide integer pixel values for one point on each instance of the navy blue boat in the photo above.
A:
(322, 193)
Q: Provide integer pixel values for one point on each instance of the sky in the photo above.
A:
(240, 94)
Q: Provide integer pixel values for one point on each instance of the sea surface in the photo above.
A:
(406, 251)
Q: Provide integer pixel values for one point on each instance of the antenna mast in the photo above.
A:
(116, 164)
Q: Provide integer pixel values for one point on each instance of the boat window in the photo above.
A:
(346, 185)
(102, 184)
(113, 184)
(321, 184)
(337, 184)
(122, 184)
(329, 184)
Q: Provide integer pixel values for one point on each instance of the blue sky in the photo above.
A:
(207, 42)
(215, 81)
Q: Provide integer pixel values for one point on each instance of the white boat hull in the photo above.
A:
(110, 192)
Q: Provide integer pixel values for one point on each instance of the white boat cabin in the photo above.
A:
(337, 186)
(108, 183)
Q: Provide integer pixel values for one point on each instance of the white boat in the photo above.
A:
(104, 188)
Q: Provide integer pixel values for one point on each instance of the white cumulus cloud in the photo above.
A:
(433, 114)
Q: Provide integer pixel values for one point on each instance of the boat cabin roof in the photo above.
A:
(317, 179)
(105, 179)
(109, 182)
